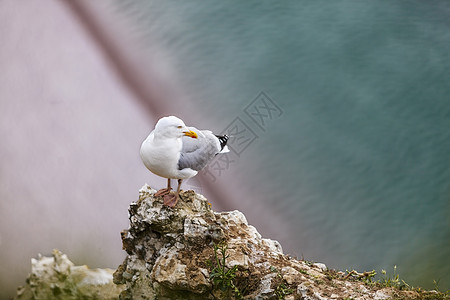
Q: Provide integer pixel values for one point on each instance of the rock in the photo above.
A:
(191, 252)
(179, 253)
(380, 295)
(320, 266)
(56, 277)
(314, 273)
(290, 275)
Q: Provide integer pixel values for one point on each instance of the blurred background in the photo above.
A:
(340, 111)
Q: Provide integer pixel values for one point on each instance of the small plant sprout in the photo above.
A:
(222, 276)
(390, 281)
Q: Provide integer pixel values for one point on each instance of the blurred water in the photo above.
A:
(358, 163)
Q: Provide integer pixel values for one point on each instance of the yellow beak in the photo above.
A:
(191, 134)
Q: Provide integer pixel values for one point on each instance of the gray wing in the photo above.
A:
(196, 153)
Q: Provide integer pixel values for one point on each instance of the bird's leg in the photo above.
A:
(165, 191)
(178, 188)
(171, 200)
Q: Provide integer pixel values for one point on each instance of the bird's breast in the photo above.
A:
(161, 158)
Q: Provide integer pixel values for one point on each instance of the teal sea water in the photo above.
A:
(357, 160)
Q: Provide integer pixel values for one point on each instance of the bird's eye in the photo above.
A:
(179, 126)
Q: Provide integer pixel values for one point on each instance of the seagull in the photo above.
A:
(174, 151)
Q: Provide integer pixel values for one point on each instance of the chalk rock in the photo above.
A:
(174, 247)
(191, 252)
(57, 277)
(182, 252)
(320, 266)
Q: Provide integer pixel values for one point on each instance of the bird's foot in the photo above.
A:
(170, 200)
(162, 192)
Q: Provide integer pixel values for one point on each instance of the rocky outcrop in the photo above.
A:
(56, 277)
(192, 252)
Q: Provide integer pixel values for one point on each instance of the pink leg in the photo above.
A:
(172, 200)
(166, 191)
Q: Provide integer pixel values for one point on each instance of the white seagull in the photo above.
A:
(174, 151)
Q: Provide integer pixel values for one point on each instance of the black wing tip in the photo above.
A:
(223, 139)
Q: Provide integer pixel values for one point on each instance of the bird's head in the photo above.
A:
(173, 127)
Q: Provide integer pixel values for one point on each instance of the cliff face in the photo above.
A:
(191, 252)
